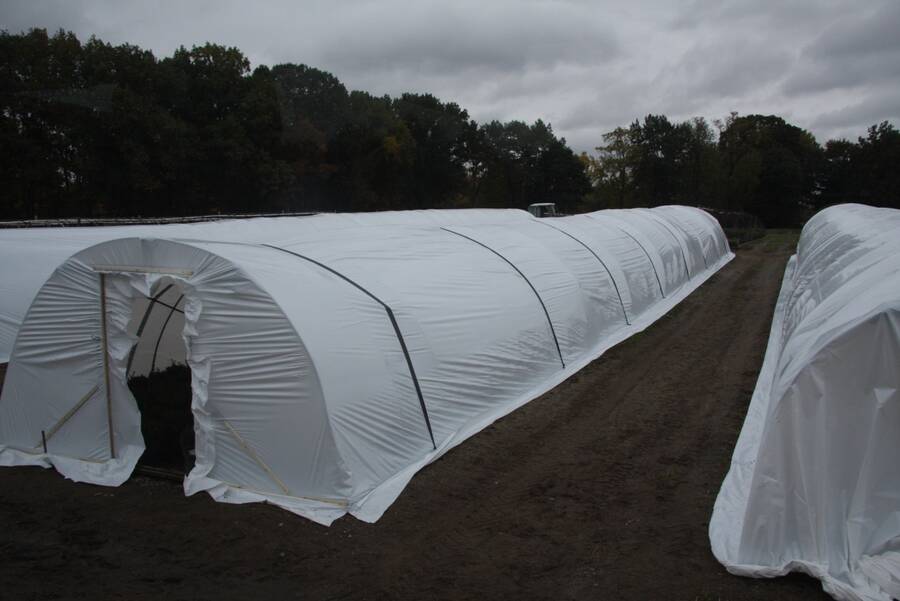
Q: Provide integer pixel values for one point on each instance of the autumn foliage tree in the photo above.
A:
(92, 129)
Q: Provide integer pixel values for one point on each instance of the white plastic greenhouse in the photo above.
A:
(814, 484)
(332, 356)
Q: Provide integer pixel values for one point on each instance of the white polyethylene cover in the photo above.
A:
(333, 357)
(31, 254)
(814, 484)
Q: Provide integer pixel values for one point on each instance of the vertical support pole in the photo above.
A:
(109, 419)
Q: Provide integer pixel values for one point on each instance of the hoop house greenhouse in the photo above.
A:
(814, 484)
(333, 356)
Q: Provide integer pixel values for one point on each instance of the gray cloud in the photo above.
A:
(458, 37)
(726, 69)
(860, 50)
(871, 110)
(869, 31)
(584, 66)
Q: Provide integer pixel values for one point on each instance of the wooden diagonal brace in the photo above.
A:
(62, 421)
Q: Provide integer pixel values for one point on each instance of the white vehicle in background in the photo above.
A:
(543, 209)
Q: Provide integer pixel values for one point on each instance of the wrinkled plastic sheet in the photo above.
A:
(303, 392)
(813, 485)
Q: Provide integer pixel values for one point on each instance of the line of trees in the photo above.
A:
(758, 164)
(91, 129)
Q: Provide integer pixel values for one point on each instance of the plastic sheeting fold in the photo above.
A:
(813, 484)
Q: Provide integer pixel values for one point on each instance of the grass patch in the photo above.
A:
(740, 236)
(777, 240)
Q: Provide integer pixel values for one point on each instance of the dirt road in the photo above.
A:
(600, 489)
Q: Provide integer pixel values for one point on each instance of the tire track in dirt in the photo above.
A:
(632, 449)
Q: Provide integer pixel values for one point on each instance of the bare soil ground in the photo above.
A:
(600, 489)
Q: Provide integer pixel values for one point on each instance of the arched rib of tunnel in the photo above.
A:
(305, 389)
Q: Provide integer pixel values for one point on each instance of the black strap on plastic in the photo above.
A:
(588, 248)
(527, 281)
(656, 273)
(710, 220)
(390, 314)
(153, 300)
(166, 305)
(687, 234)
(163, 331)
(699, 241)
(663, 223)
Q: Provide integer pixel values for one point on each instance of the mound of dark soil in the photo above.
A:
(164, 399)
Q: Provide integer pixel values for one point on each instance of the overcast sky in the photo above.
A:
(584, 66)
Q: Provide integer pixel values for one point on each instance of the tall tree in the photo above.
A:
(313, 106)
(529, 164)
(40, 120)
(771, 168)
(839, 183)
(875, 166)
(657, 162)
(374, 153)
(443, 135)
(660, 148)
(612, 171)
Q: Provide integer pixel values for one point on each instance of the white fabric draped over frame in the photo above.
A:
(333, 356)
(814, 484)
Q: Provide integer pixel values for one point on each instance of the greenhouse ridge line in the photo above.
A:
(396, 326)
(588, 248)
(649, 258)
(678, 227)
(674, 223)
(662, 222)
(533, 289)
(113, 221)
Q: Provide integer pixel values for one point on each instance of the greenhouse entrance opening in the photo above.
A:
(160, 379)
